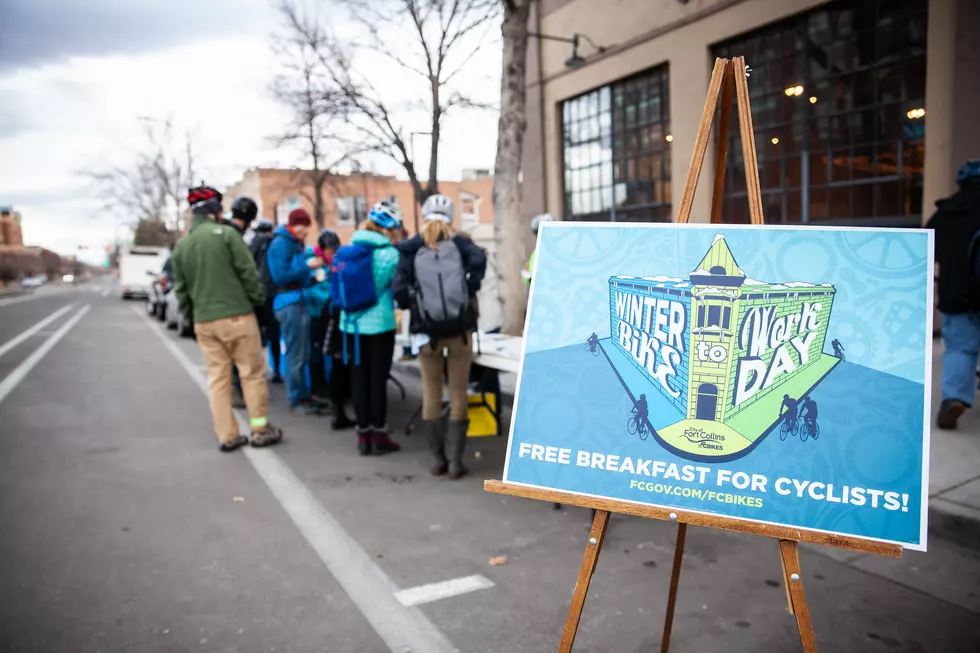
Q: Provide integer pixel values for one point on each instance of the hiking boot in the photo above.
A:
(305, 408)
(266, 437)
(364, 442)
(322, 402)
(382, 443)
(341, 422)
(434, 432)
(949, 413)
(455, 446)
(233, 444)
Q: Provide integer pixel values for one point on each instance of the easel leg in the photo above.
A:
(589, 560)
(675, 577)
(789, 556)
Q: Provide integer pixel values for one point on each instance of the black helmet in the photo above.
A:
(328, 239)
(262, 226)
(204, 200)
(244, 209)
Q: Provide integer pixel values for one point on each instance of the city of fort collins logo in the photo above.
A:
(719, 350)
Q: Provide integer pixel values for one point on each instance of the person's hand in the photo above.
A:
(314, 262)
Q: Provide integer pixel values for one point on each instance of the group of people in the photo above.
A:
(333, 306)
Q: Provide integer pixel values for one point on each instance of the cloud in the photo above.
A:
(35, 32)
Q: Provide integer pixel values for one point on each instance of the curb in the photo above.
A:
(954, 522)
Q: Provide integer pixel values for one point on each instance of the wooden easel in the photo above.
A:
(729, 75)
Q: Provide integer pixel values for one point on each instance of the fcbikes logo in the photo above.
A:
(722, 352)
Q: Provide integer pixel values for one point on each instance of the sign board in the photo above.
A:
(772, 374)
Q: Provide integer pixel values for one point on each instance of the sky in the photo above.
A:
(80, 80)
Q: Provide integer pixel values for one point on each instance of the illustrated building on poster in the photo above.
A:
(721, 349)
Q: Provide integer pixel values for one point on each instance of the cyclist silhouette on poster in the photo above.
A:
(792, 407)
(637, 424)
(838, 348)
(593, 343)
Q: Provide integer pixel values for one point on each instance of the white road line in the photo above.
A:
(14, 378)
(403, 629)
(31, 296)
(10, 344)
(444, 590)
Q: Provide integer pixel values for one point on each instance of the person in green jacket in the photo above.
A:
(371, 335)
(217, 286)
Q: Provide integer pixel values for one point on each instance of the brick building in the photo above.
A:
(10, 228)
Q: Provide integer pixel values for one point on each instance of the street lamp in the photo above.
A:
(576, 60)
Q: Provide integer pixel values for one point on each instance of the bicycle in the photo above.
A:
(636, 426)
(785, 429)
(841, 357)
(809, 431)
(594, 349)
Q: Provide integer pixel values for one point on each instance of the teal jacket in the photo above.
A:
(380, 318)
(318, 296)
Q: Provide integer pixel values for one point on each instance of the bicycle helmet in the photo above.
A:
(438, 207)
(328, 239)
(204, 200)
(969, 171)
(392, 207)
(244, 209)
(538, 219)
(385, 216)
(262, 226)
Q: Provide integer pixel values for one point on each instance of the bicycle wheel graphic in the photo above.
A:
(631, 425)
(784, 430)
(642, 431)
(804, 432)
(815, 433)
(885, 254)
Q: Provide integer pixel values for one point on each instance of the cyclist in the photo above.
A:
(641, 413)
(528, 272)
(592, 342)
(810, 413)
(792, 406)
(838, 348)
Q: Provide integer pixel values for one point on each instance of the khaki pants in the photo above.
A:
(234, 340)
(458, 363)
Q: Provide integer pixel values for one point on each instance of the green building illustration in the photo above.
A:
(743, 346)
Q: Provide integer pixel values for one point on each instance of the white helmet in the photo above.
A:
(392, 206)
(438, 207)
(538, 219)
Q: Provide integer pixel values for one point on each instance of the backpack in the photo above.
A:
(442, 298)
(265, 275)
(352, 278)
(352, 287)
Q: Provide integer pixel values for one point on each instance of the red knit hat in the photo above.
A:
(299, 218)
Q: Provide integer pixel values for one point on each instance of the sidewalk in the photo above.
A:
(954, 471)
(954, 474)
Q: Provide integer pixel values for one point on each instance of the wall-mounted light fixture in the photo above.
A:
(575, 60)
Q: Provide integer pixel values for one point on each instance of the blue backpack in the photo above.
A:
(352, 286)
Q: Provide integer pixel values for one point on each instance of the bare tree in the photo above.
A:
(151, 184)
(510, 227)
(437, 38)
(315, 108)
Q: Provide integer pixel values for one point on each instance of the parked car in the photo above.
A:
(174, 319)
(156, 300)
(29, 282)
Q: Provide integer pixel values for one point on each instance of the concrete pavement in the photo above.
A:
(126, 530)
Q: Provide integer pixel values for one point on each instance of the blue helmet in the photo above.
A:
(969, 171)
(385, 215)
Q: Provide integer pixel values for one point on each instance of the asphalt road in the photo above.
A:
(124, 529)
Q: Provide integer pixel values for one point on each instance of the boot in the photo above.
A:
(267, 436)
(434, 430)
(340, 420)
(382, 443)
(455, 446)
(364, 441)
(949, 413)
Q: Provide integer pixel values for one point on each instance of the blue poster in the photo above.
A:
(772, 374)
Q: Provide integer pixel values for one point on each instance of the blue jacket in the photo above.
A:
(319, 294)
(380, 318)
(286, 259)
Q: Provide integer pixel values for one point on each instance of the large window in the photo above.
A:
(617, 151)
(838, 105)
